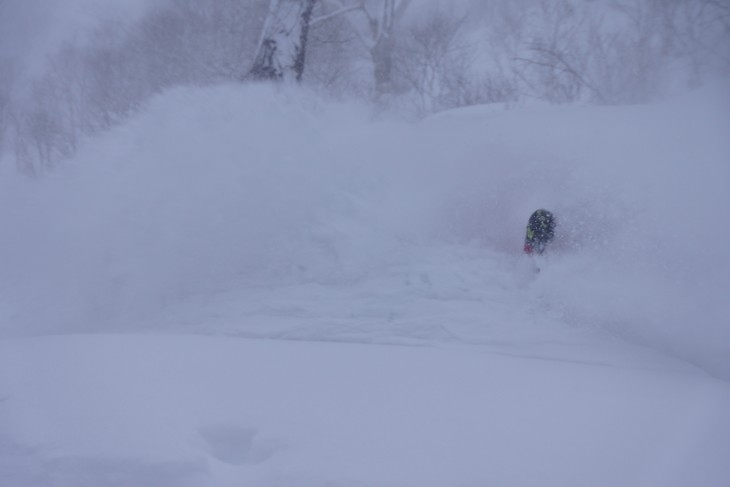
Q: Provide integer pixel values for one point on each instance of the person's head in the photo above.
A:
(543, 218)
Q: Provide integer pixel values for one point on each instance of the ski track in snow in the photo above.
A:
(451, 297)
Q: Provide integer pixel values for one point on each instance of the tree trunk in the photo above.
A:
(382, 56)
(281, 51)
(383, 33)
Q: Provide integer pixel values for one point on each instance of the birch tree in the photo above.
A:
(375, 23)
(281, 51)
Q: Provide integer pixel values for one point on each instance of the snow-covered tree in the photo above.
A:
(281, 50)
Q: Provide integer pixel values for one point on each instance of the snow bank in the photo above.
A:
(209, 187)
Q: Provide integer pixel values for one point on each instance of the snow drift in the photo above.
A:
(209, 188)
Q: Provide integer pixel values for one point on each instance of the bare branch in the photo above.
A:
(336, 13)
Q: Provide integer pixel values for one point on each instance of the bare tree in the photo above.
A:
(47, 125)
(699, 31)
(94, 86)
(42, 132)
(332, 60)
(198, 41)
(435, 63)
(281, 51)
(554, 63)
(114, 81)
(375, 25)
(63, 90)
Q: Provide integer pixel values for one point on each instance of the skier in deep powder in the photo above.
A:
(540, 231)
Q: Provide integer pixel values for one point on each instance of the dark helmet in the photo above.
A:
(542, 219)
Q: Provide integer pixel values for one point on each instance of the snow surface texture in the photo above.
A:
(166, 411)
(259, 214)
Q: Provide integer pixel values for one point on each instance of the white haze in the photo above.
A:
(33, 30)
(210, 189)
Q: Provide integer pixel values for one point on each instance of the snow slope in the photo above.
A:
(166, 410)
(381, 325)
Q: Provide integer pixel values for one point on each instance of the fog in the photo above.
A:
(33, 30)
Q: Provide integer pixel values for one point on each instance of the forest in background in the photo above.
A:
(412, 58)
